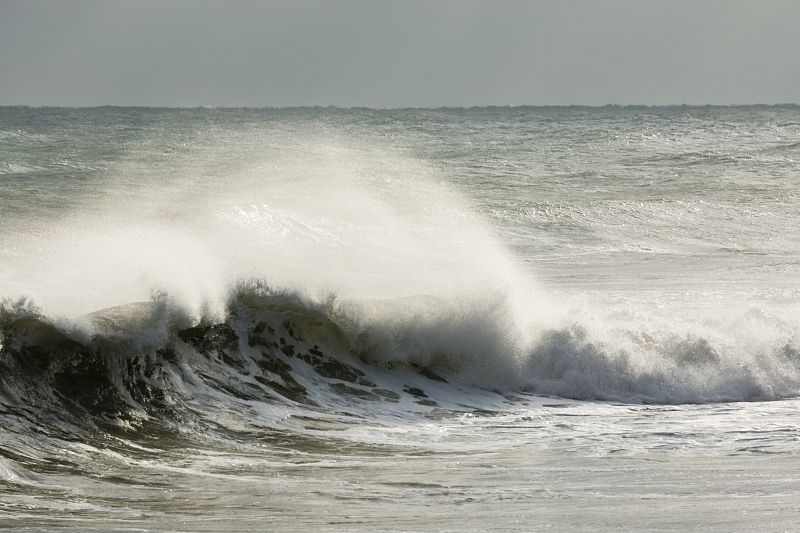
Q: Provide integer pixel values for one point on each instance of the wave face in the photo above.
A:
(151, 361)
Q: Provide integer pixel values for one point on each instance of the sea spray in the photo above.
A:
(362, 221)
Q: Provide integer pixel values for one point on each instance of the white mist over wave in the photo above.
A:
(316, 215)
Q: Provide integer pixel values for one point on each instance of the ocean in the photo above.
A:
(483, 319)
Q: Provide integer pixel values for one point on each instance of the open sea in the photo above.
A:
(319, 319)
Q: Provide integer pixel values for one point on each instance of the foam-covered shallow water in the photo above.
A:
(485, 319)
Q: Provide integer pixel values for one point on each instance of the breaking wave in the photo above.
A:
(153, 360)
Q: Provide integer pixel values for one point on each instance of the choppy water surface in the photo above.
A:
(485, 319)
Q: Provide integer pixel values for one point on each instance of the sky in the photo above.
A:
(409, 53)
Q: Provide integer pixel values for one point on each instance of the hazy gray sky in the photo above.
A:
(400, 53)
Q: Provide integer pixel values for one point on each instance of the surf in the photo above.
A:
(374, 252)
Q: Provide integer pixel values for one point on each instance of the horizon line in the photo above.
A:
(398, 108)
